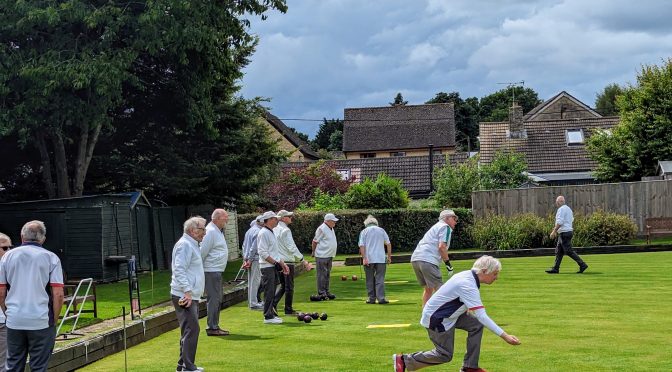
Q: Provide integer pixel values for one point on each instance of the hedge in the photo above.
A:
(405, 227)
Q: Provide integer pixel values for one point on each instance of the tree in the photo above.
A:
(327, 128)
(495, 107)
(506, 171)
(301, 135)
(398, 100)
(642, 137)
(466, 118)
(336, 141)
(605, 103)
(70, 70)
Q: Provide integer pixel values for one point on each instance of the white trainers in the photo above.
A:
(274, 320)
(198, 369)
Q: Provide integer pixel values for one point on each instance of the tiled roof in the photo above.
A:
(542, 107)
(398, 127)
(413, 171)
(545, 147)
(300, 144)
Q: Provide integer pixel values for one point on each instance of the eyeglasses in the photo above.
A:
(200, 228)
(6, 247)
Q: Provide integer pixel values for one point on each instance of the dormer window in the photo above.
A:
(575, 137)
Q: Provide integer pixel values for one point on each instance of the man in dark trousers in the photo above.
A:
(564, 218)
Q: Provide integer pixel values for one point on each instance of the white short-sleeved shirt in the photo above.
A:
(28, 271)
(459, 294)
(267, 246)
(565, 218)
(428, 248)
(325, 237)
(373, 239)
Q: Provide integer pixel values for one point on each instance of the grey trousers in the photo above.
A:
(38, 344)
(564, 247)
(3, 346)
(253, 283)
(286, 289)
(375, 280)
(189, 329)
(444, 346)
(213, 287)
(323, 272)
(269, 279)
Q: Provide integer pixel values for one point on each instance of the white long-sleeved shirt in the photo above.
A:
(455, 297)
(187, 266)
(214, 251)
(267, 246)
(325, 237)
(565, 218)
(289, 252)
(250, 242)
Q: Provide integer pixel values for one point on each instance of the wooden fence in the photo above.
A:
(639, 200)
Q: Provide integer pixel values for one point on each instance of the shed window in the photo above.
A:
(574, 137)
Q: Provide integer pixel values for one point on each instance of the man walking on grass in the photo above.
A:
(564, 218)
(457, 304)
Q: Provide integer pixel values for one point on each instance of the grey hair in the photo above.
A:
(34, 231)
(5, 237)
(370, 220)
(560, 199)
(218, 212)
(487, 265)
(193, 223)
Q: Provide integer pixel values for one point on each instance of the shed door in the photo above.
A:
(143, 226)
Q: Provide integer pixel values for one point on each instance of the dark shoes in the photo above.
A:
(582, 268)
(371, 301)
(291, 312)
(552, 271)
(217, 332)
(468, 369)
(331, 296)
(383, 301)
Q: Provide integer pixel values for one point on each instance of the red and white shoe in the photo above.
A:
(399, 365)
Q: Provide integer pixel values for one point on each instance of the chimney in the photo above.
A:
(515, 119)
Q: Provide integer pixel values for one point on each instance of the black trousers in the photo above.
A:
(564, 247)
(286, 289)
(269, 280)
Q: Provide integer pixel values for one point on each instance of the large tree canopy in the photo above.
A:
(495, 107)
(644, 134)
(605, 103)
(466, 118)
(75, 70)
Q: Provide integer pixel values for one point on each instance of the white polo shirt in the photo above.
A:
(289, 252)
(459, 294)
(373, 239)
(428, 248)
(27, 271)
(325, 237)
(214, 251)
(267, 246)
(565, 218)
(187, 266)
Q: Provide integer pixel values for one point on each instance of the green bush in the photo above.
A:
(404, 227)
(322, 201)
(383, 193)
(530, 231)
(603, 228)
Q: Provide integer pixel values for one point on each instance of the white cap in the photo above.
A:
(268, 215)
(446, 213)
(330, 217)
(259, 219)
(284, 213)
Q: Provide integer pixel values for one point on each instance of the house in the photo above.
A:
(552, 137)
(398, 131)
(288, 140)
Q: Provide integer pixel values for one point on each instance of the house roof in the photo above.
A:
(286, 132)
(413, 171)
(542, 107)
(545, 148)
(398, 127)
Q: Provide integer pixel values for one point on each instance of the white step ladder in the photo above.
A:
(73, 312)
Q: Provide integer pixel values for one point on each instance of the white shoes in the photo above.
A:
(274, 320)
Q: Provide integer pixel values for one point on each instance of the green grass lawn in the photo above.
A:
(615, 317)
(154, 289)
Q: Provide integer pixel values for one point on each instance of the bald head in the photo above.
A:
(220, 217)
(560, 201)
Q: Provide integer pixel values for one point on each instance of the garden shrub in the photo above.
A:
(383, 193)
(404, 227)
(322, 201)
(603, 228)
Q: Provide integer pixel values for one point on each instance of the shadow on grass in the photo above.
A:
(240, 337)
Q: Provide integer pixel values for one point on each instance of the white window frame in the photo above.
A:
(575, 141)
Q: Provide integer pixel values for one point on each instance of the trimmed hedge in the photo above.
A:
(404, 227)
(530, 231)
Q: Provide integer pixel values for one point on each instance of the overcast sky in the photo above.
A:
(325, 55)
